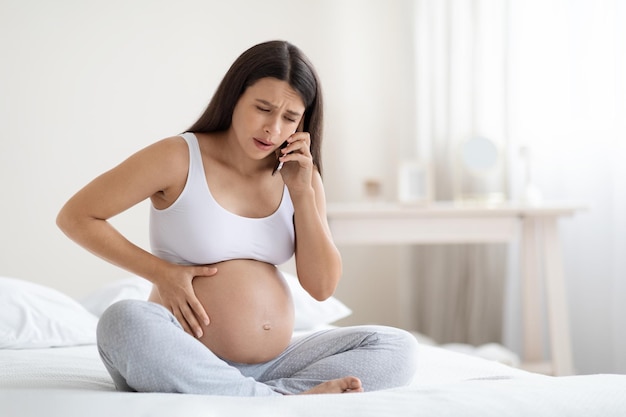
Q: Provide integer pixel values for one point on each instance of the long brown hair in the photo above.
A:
(276, 59)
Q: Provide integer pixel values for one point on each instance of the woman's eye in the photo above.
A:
(289, 119)
(263, 109)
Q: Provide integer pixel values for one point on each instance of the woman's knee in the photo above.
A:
(394, 338)
(128, 317)
(408, 349)
(402, 350)
(125, 311)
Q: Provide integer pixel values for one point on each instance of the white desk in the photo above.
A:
(437, 223)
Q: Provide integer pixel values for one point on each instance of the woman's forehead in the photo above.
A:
(276, 93)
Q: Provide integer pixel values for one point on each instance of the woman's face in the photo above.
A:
(267, 113)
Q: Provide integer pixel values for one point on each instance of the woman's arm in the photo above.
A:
(156, 172)
(318, 262)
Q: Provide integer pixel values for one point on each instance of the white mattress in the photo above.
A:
(72, 381)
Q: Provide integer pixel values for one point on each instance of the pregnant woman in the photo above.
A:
(237, 194)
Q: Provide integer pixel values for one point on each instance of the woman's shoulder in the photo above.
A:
(164, 166)
(173, 149)
(167, 157)
(174, 144)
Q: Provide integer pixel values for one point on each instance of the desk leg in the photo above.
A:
(556, 301)
(541, 263)
(532, 328)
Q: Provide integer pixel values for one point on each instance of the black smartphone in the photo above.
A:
(279, 164)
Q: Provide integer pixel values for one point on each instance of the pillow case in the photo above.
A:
(309, 313)
(35, 316)
(132, 288)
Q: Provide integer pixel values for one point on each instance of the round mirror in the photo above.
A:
(479, 154)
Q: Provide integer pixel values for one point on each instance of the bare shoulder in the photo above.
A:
(157, 168)
(165, 158)
(158, 171)
(165, 164)
(172, 151)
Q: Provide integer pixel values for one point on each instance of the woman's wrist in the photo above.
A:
(158, 270)
(303, 197)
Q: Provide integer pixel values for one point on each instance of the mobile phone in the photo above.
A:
(279, 164)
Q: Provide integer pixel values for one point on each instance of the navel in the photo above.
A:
(267, 326)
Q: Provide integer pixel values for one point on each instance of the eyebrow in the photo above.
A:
(267, 103)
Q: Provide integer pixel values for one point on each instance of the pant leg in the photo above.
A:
(382, 357)
(145, 349)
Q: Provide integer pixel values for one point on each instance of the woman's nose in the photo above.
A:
(272, 126)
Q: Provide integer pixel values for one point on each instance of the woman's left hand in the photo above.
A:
(297, 170)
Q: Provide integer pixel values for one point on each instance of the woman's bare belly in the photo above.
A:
(250, 308)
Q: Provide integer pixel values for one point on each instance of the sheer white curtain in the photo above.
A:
(548, 75)
(568, 104)
(461, 91)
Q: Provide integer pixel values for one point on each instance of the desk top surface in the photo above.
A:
(449, 209)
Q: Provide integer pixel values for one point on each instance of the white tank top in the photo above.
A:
(195, 229)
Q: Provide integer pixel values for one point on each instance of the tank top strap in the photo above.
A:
(195, 156)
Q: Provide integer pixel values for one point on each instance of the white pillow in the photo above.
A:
(35, 316)
(309, 313)
(133, 288)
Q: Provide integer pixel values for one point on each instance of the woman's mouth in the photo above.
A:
(263, 144)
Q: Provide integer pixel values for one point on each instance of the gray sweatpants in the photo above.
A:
(145, 349)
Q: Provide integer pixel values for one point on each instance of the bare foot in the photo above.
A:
(337, 386)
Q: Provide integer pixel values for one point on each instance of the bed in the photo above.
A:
(49, 366)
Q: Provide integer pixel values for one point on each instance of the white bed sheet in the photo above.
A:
(73, 382)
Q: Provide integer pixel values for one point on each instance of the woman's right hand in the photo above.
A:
(177, 295)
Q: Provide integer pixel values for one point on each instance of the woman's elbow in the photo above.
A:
(66, 220)
(325, 291)
(62, 220)
(322, 295)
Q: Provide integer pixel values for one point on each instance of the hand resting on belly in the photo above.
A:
(250, 308)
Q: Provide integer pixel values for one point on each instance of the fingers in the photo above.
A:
(189, 315)
(192, 320)
(205, 271)
(298, 146)
(297, 141)
(188, 320)
(198, 311)
(196, 307)
(184, 304)
(194, 312)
